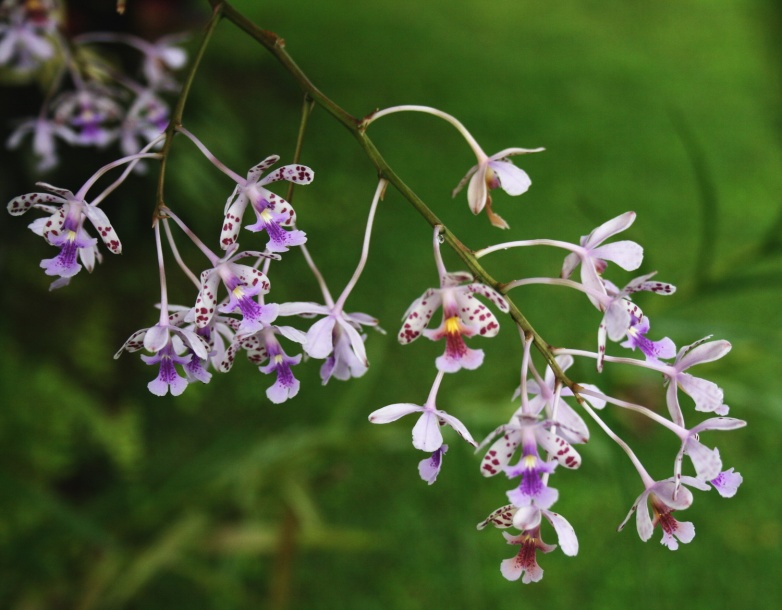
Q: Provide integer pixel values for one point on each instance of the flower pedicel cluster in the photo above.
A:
(230, 313)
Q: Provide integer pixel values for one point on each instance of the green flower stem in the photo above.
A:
(179, 108)
(276, 46)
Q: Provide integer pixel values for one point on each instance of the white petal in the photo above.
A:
(513, 180)
(609, 228)
(565, 533)
(426, 432)
(393, 412)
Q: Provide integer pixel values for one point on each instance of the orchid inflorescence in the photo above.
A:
(229, 312)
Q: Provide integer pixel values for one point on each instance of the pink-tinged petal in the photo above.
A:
(458, 426)
(708, 396)
(393, 412)
(559, 448)
(702, 352)
(292, 334)
(672, 400)
(499, 454)
(464, 180)
(617, 319)
(608, 228)
(320, 341)
(356, 342)
(419, 315)
(491, 294)
(627, 254)
(500, 518)
(684, 531)
(363, 319)
(426, 432)
(527, 517)
(565, 533)
(643, 521)
(299, 174)
(706, 461)
(510, 152)
(302, 308)
(103, 226)
(513, 180)
(571, 426)
(19, 205)
(719, 423)
(255, 172)
(477, 191)
(452, 361)
(590, 278)
(206, 302)
(569, 264)
(454, 278)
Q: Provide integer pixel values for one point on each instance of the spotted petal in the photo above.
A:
(103, 226)
(418, 315)
(499, 454)
(299, 174)
(19, 205)
(255, 172)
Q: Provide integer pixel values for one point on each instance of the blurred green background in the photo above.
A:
(113, 498)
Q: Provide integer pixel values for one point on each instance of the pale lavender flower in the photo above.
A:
(242, 283)
(426, 432)
(664, 499)
(44, 132)
(653, 350)
(531, 468)
(727, 483)
(707, 395)
(593, 256)
(25, 39)
(64, 228)
(274, 214)
(429, 468)
(92, 113)
(706, 461)
(623, 318)
(335, 337)
(158, 339)
(492, 172)
(144, 121)
(161, 58)
(264, 345)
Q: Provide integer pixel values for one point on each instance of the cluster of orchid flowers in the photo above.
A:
(188, 343)
(90, 102)
(544, 426)
(207, 335)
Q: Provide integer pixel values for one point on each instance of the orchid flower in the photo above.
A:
(593, 256)
(426, 432)
(664, 500)
(463, 316)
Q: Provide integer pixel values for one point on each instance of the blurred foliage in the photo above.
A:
(113, 498)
